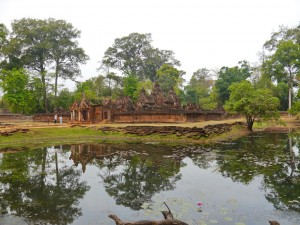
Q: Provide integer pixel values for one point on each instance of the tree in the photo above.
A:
(283, 34)
(42, 45)
(253, 104)
(134, 55)
(169, 78)
(86, 89)
(3, 38)
(229, 75)
(155, 59)
(30, 42)
(284, 65)
(64, 99)
(113, 82)
(16, 91)
(65, 51)
(199, 86)
(279, 89)
(131, 87)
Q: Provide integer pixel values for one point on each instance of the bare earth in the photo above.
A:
(290, 123)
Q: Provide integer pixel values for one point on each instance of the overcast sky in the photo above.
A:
(202, 33)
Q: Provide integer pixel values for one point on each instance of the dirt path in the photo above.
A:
(290, 123)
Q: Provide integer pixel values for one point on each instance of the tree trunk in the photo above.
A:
(169, 220)
(56, 78)
(250, 123)
(148, 222)
(44, 90)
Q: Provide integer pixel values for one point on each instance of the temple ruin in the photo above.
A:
(149, 108)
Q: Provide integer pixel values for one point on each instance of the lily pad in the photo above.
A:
(228, 219)
(202, 222)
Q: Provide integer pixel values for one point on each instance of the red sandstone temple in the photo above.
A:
(153, 108)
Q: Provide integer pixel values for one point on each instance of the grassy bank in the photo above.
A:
(46, 135)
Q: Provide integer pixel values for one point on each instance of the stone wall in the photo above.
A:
(49, 117)
(189, 132)
(148, 117)
(6, 117)
(168, 117)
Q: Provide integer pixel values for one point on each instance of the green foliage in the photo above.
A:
(283, 64)
(283, 34)
(295, 108)
(228, 76)
(131, 87)
(169, 78)
(134, 55)
(281, 92)
(64, 99)
(65, 52)
(146, 85)
(16, 91)
(85, 89)
(199, 87)
(211, 102)
(3, 39)
(252, 103)
(112, 83)
(279, 89)
(45, 46)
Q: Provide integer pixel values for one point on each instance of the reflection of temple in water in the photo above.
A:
(85, 153)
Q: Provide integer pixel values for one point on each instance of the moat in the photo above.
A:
(245, 182)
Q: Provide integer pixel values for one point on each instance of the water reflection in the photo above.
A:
(36, 187)
(130, 177)
(273, 156)
(56, 185)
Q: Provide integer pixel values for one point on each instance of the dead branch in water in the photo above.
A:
(169, 220)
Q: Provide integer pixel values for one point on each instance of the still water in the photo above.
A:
(246, 182)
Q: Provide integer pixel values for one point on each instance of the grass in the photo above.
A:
(44, 134)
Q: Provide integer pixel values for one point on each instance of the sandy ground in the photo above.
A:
(29, 124)
(290, 123)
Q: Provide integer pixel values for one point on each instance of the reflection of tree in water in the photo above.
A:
(202, 156)
(131, 177)
(269, 155)
(37, 190)
(139, 179)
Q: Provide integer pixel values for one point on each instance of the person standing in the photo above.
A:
(55, 118)
(60, 119)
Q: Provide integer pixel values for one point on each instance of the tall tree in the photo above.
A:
(64, 99)
(134, 55)
(30, 42)
(282, 64)
(42, 45)
(66, 53)
(253, 104)
(3, 38)
(229, 75)
(283, 34)
(199, 86)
